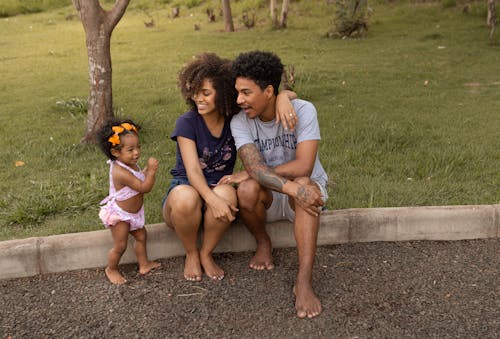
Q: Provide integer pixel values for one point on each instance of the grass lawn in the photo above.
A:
(409, 115)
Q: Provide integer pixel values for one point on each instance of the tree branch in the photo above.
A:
(116, 13)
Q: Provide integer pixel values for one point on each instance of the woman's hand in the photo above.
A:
(235, 178)
(222, 209)
(285, 113)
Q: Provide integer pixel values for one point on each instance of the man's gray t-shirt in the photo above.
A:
(276, 144)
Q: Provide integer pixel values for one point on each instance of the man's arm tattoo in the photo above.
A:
(258, 170)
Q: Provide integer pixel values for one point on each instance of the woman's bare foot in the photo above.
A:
(212, 270)
(150, 265)
(114, 276)
(263, 258)
(192, 267)
(307, 303)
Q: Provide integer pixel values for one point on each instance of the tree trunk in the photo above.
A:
(274, 13)
(284, 13)
(491, 19)
(98, 25)
(228, 17)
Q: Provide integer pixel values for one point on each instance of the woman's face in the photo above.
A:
(205, 98)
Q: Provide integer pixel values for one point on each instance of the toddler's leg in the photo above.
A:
(120, 236)
(141, 252)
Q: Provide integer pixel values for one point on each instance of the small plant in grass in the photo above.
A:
(351, 19)
(50, 200)
(74, 106)
(193, 3)
(449, 3)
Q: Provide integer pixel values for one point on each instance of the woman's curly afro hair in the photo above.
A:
(218, 71)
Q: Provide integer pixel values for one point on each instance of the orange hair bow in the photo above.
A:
(115, 138)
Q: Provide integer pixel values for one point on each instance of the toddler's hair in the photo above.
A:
(109, 139)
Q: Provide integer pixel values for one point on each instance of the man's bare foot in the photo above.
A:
(307, 303)
(114, 276)
(263, 258)
(212, 270)
(150, 265)
(192, 267)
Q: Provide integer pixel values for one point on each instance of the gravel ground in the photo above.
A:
(405, 289)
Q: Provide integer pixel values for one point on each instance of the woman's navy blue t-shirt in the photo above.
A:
(217, 155)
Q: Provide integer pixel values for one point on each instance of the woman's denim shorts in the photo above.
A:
(176, 181)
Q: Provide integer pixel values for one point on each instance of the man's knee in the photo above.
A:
(303, 180)
(248, 193)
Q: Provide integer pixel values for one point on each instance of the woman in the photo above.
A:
(205, 153)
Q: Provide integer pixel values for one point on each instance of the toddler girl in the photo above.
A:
(123, 212)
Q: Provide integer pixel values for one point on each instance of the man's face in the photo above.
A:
(251, 98)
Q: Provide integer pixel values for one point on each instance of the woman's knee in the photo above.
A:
(182, 200)
(227, 192)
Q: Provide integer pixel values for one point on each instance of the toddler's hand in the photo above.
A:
(152, 164)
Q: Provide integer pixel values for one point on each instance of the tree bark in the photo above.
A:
(228, 17)
(274, 13)
(284, 13)
(98, 25)
(491, 19)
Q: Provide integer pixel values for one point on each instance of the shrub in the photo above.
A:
(351, 19)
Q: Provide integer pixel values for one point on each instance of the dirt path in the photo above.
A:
(406, 289)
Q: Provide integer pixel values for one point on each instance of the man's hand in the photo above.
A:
(310, 199)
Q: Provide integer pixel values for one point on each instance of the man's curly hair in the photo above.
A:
(216, 69)
(265, 68)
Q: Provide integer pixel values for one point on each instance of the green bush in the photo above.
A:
(351, 19)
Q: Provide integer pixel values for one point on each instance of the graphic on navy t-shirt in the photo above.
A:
(218, 158)
(217, 155)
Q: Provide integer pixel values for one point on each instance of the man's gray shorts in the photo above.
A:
(280, 208)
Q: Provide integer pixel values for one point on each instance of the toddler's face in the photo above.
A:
(130, 151)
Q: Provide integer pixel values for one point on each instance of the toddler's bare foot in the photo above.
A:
(212, 270)
(263, 258)
(192, 267)
(307, 303)
(150, 265)
(114, 276)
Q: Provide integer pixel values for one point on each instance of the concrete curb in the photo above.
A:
(58, 253)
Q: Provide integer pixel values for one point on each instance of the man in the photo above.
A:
(283, 178)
